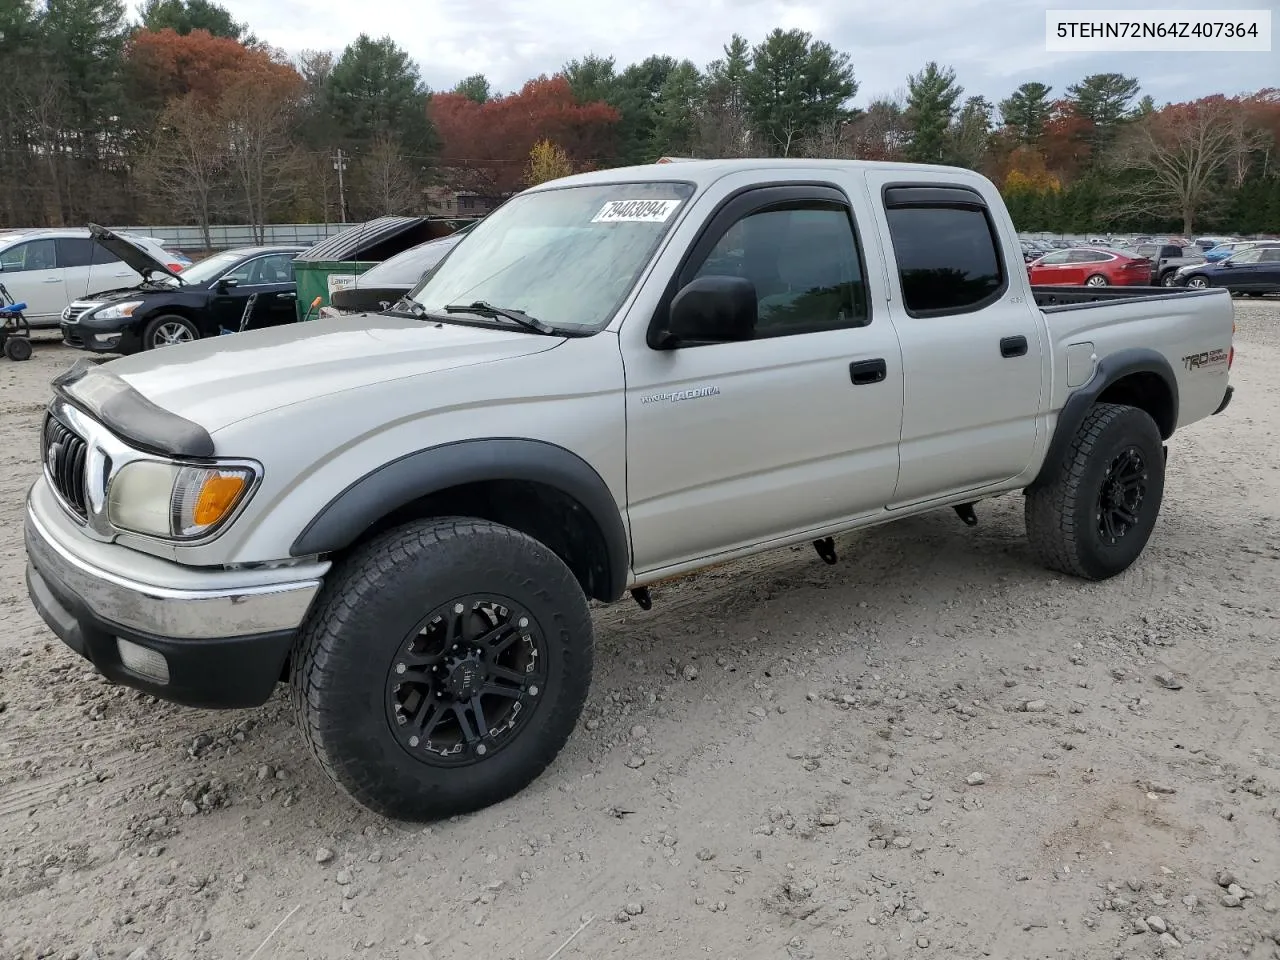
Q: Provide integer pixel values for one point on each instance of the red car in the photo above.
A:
(1090, 267)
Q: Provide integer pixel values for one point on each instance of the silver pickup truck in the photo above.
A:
(617, 378)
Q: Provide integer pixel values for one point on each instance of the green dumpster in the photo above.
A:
(335, 262)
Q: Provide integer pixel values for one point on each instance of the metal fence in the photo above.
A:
(225, 236)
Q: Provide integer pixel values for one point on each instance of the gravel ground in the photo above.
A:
(934, 748)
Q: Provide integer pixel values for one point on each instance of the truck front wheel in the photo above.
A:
(1092, 515)
(443, 667)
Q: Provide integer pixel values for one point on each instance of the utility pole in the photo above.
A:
(340, 164)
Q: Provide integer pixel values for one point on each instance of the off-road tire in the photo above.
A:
(375, 598)
(1062, 510)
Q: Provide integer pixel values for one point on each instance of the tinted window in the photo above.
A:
(1270, 255)
(32, 255)
(277, 268)
(947, 258)
(406, 269)
(102, 255)
(804, 265)
(1251, 255)
(75, 251)
(1146, 249)
(1087, 256)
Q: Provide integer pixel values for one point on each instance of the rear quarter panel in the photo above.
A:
(1192, 330)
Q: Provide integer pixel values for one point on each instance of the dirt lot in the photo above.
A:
(932, 749)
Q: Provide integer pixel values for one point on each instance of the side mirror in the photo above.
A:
(226, 283)
(711, 310)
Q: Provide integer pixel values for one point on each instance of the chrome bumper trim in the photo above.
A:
(226, 609)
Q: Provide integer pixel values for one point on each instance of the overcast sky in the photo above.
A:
(994, 45)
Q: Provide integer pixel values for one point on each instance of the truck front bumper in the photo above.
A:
(204, 638)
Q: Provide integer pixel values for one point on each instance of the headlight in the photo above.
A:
(117, 311)
(174, 501)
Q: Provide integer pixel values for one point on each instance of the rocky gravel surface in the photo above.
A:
(933, 748)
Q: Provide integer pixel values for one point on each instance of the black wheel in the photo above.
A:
(1169, 279)
(166, 330)
(1094, 515)
(443, 667)
(17, 348)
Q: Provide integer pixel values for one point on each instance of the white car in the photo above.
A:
(47, 269)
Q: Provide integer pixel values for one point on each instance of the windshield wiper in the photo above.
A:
(482, 309)
(407, 307)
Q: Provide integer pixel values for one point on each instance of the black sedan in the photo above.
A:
(204, 300)
(1255, 271)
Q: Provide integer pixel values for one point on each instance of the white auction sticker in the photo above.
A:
(636, 211)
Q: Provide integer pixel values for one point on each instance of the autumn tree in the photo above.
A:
(1026, 111)
(931, 105)
(547, 161)
(386, 185)
(164, 64)
(881, 131)
(1180, 156)
(258, 111)
(184, 167)
(487, 145)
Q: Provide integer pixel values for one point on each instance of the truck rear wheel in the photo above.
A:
(443, 667)
(1093, 515)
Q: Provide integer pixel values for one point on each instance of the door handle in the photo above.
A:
(1013, 346)
(288, 296)
(54, 280)
(862, 372)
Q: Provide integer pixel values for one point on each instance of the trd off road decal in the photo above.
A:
(636, 211)
(1210, 358)
(676, 396)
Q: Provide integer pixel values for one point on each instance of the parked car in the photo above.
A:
(1224, 250)
(1089, 266)
(392, 279)
(1208, 243)
(1254, 270)
(49, 268)
(1167, 258)
(169, 307)
(618, 378)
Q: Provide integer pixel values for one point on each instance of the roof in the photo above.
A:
(705, 172)
(349, 244)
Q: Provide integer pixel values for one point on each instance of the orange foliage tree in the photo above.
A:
(1066, 140)
(163, 65)
(488, 145)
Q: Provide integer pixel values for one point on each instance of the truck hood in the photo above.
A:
(219, 381)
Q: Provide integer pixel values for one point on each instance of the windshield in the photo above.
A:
(406, 269)
(567, 256)
(209, 268)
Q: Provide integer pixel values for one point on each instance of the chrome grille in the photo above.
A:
(64, 455)
(75, 311)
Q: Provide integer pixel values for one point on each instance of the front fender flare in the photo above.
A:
(1111, 368)
(398, 483)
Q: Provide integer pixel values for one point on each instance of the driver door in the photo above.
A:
(268, 277)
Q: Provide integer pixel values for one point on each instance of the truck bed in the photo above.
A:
(1057, 298)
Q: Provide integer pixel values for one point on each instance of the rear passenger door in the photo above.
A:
(973, 346)
(109, 272)
(74, 257)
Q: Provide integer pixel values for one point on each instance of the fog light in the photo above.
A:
(143, 662)
(106, 339)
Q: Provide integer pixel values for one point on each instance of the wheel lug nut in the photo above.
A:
(400, 668)
(533, 690)
(524, 622)
(481, 749)
(458, 608)
(413, 741)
